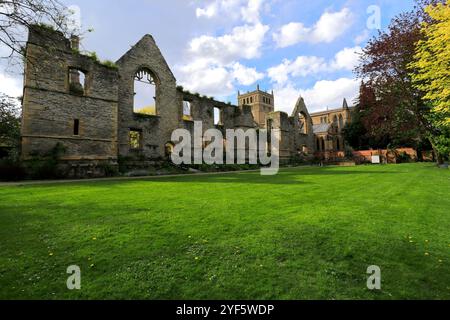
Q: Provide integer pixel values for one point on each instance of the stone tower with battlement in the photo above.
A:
(261, 102)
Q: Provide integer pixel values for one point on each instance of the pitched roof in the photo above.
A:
(321, 128)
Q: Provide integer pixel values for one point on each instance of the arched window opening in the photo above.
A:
(318, 144)
(77, 81)
(303, 123)
(217, 116)
(341, 122)
(144, 93)
(323, 144)
(187, 111)
(338, 145)
(335, 120)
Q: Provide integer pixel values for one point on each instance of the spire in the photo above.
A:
(345, 104)
(257, 87)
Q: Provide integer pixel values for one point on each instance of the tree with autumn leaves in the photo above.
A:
(430, 72)
(392, 109)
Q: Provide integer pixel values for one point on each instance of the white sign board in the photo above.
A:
(376, 159)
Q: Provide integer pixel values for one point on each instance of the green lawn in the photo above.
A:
(307, 233)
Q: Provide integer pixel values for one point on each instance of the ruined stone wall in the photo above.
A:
(50, 108)
(105, 109)
(202, 110)
(156, 130)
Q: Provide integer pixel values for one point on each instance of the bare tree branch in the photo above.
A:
(17, 16)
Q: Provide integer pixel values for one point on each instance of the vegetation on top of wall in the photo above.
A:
(106, 63)
(93, 56)
(46, 26)
(110, 64)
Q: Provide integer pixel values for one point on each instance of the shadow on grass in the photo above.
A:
(286, 176)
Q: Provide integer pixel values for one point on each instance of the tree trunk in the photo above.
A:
(436, 155)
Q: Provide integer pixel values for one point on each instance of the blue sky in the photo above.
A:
(217, 47)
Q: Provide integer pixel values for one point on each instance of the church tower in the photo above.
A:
(261, 102)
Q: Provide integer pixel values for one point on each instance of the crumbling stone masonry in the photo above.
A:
(75, 100)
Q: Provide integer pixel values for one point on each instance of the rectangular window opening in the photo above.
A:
(77, 81)
(135, 140)
(187, 110)
(76, 127)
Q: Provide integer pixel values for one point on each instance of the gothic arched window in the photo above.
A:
(145, 92)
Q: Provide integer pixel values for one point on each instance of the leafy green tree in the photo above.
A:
(400, 117)
(430, 72)
(9, 122)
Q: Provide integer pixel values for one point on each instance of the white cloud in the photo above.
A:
(243, 42)
(206, 78)
(214, 79)
(329, 27)
(251, 13)
(330, 94)
(324, 94)
(346, 59)
(207, 12)
(10, 86)
(332, 25)
(214, 66)
(245, 10)
(302, 66)
(290, 34)
(244, 75)
(286, 97)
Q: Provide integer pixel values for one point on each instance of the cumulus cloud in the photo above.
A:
(330, 26)
(324, 94)
(214, 66)
(214, 79)
(251, 13)
(206, 78)
(302, 66)
(246, 10)
(244, 75)
(346, 59)
(208, 11)
(244, 42)
(10, 86)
